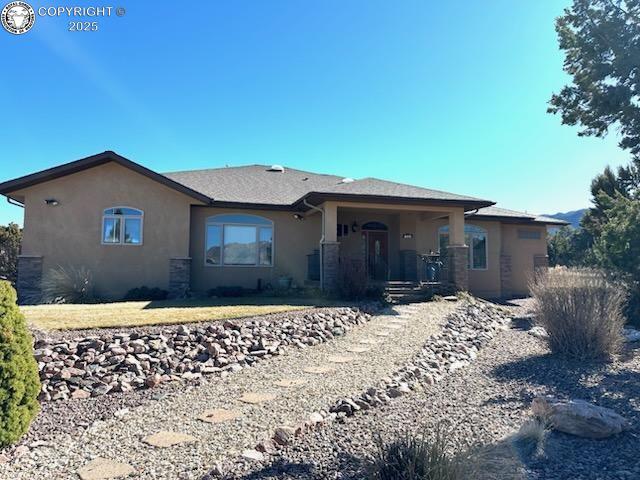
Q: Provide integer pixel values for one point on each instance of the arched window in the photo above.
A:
(122, 226)
(476, 238)
(239, 239)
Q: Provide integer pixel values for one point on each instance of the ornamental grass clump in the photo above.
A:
(68, 285)
(416, 457)
(19, 380)
(581, 310)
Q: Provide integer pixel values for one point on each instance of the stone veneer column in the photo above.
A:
(179, 277)
(458, 257)
(505, 276)
(29, 282)
(330, 265)
(409, 265)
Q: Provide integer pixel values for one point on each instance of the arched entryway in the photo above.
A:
(376, 240)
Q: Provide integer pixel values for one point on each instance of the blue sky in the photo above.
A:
(448, 95)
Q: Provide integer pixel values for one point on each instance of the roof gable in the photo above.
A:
(26, 181)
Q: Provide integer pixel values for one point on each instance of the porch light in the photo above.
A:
(297, 216)
(52, 202)
(354, 227)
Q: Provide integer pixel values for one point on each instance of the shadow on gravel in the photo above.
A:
(615, 386)
(349, 466)
(282, 469)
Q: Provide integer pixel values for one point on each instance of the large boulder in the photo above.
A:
(579, 417)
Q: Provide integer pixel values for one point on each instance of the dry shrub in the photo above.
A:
(416, 457)
(581, 310)
(68, 285)
(532, 436)
(353, 281)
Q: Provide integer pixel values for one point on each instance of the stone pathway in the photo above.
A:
(182, 435)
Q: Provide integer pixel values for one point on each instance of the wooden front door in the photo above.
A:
(378, 255)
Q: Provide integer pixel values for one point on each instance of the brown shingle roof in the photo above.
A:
(256, 184)
(505, 214)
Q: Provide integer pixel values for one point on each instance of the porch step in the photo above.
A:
(406, 292)
(409, 292)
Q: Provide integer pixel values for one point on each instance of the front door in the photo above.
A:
(377, 255)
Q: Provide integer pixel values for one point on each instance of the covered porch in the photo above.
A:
(392, 242)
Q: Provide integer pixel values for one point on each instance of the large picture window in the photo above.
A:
(122, 226)
(239, 239)
(476, 238)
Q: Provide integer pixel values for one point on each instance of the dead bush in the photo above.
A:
(353, 282)
(581, 310)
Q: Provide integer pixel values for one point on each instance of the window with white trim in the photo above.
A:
(122, 226)
(476, 238)
(238, 240)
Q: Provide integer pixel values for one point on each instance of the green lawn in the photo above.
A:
(130, 314)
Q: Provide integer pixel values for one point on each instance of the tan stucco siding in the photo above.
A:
(522, 252)
(293, 240)
(69, 234)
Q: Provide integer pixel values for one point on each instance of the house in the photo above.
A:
(252, 226)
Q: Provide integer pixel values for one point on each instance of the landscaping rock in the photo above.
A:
(290, 382)
(256, 398)
(284, 435)
(468, 328)
(579, 417)
(538, 332)
(164, 439)
(121, 362)
(253, 455)
(631, 335)
(103, 469)
(219, 415)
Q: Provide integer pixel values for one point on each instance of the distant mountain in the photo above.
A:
(573, 217)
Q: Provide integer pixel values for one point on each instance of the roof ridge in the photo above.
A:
(266, 166)
(532, 215)
(418, 186)
(226, 167)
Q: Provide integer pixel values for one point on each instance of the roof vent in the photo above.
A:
(276, 168)
(347, 180)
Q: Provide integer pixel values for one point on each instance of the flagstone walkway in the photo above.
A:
(181, 436)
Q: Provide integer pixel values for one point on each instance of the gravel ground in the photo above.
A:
(482, 405)
(119, 437)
